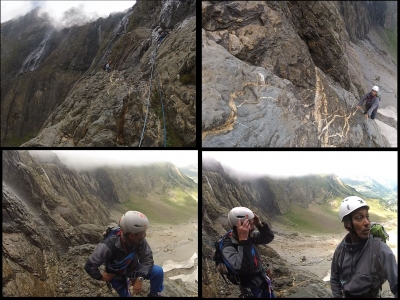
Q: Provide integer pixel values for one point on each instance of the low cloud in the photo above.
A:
(64, 14)
(87, 159)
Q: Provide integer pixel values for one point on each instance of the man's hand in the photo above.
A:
(243, 230)
(358, 106)
(257, 221)
(366, 116)
(137, 287)
(107, 277)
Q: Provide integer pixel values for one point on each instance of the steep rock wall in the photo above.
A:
(281, 74)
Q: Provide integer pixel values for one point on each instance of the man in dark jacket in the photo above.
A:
(240, 252)
(371, 103)
(361, 263)
(163, 34)
(127, 254)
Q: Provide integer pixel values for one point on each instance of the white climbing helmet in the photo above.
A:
(349, 205)
(375, 88)
(237, 213)
(133, 222)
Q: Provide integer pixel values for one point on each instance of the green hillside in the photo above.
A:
(159, 190)
(317, 219)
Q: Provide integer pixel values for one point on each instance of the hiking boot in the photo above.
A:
(156, 295)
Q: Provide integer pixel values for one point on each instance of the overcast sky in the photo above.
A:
(375, 164)
(91, 158)
(92, 10)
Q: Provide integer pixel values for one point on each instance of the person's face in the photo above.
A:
(373, 93)
(136, 238)
(361, 222)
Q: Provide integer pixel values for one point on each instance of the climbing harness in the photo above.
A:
(148, 100)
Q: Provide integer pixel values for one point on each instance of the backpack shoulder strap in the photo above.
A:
(376, 268)
(341, 255)
(221, 244)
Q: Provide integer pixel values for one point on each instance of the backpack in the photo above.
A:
(377, 230)
(119, 267)
(111, 230)
(221, 264)
(104, 67)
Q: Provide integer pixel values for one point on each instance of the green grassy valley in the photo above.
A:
(164, 209)
(324, 219)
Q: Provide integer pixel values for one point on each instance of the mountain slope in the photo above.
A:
(191, 172)
(373, 189)
(78, 104)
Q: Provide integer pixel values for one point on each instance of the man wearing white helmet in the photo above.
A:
(371, 103)
(240, 252)
(127, 254)
(361, 263)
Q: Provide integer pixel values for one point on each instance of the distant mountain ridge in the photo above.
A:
(373, 189)
(223, 190)
(190, 171)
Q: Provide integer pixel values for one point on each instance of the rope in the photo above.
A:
(148, 99)
(162, 107)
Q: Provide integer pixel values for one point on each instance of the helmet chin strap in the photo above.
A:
(126, 240)
(352, 230)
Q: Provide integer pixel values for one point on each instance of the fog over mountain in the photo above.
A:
(86, 160)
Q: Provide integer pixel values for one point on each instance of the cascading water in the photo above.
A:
(119, 30)
(32, 61)
(121, 27)
(208, 182)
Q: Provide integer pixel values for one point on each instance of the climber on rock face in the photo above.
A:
(163, 33)
(372, 103)
(107, 66)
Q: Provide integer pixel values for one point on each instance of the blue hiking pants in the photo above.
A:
(156, 278)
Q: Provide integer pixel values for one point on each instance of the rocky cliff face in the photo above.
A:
(64, 98)
(286, 74)
(53, 217)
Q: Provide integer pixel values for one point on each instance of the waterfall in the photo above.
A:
(32, 61)
(46, 175)
(120, 29)
(208, 183)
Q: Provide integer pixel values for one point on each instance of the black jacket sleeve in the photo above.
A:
(263, 236)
